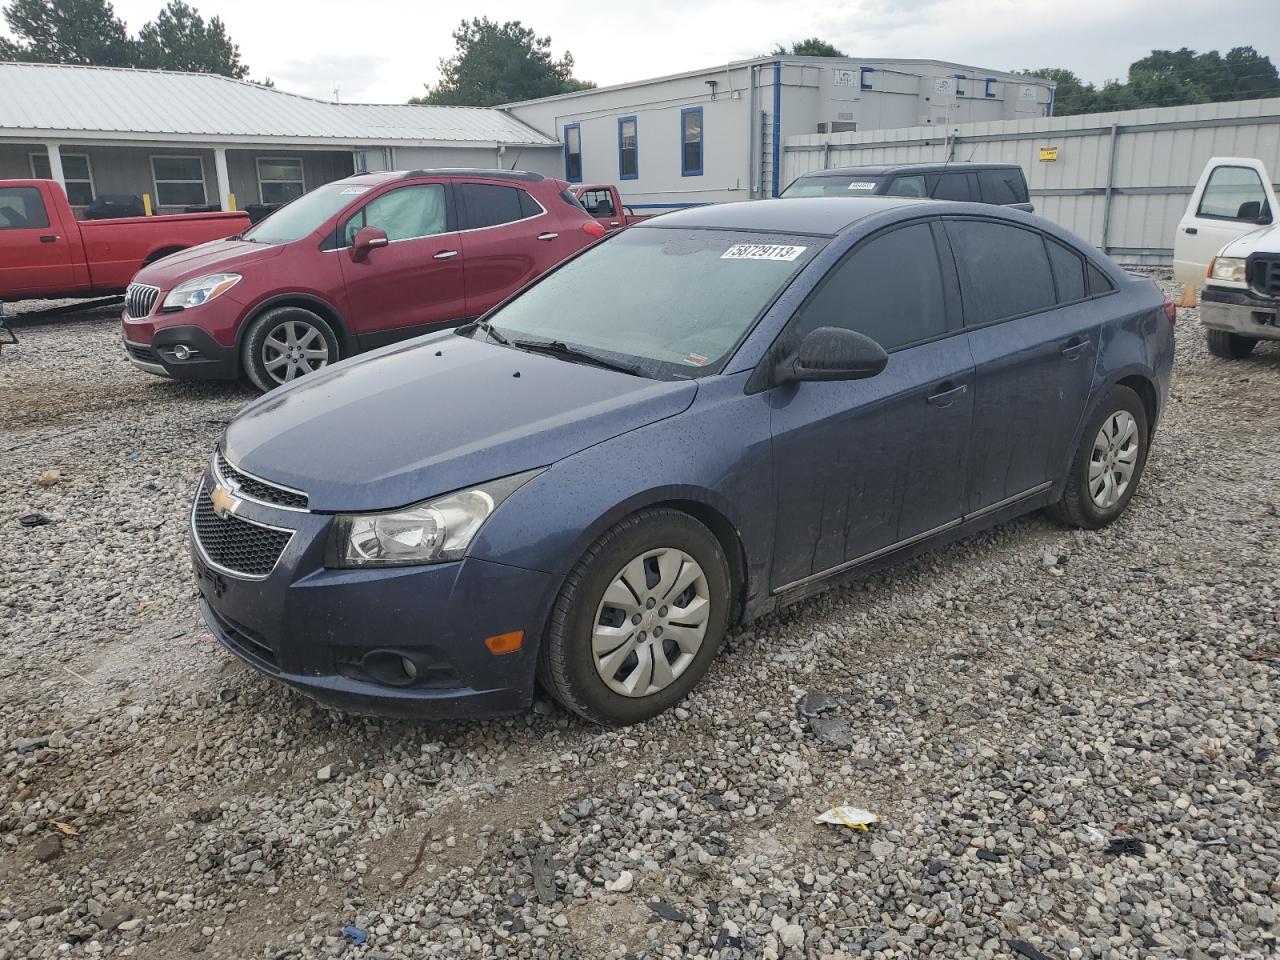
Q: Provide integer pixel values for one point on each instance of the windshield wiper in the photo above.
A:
(484, 325)
(558, 348)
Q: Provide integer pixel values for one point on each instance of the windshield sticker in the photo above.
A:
(762, 251)
(862, 185)
(354, 191)
(696, 359)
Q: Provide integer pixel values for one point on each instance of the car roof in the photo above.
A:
(822, 216)
(876, 170)
(382, 176)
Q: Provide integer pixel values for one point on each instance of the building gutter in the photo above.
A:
(777, 127)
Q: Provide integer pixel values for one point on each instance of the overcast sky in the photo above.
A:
(385, 51)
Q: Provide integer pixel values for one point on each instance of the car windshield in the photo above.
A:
(842, 186)
(671, 303)
(295, 220)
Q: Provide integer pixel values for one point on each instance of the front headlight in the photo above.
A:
(434, 531)
(1230, 269)
(200, 290)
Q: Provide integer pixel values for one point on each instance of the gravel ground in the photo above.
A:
(1070, 736)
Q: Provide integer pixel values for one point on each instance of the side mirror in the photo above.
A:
(833, 353)
(366, 240)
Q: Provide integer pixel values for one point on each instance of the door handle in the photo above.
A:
(49, 238)
(614, 223)
(547, 236)
(445, 254)
(1074, 348)
(1192, 231)
(948, 394)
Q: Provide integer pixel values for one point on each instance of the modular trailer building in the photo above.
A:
(714, 135)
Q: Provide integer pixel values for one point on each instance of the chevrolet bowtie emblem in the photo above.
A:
(224, 501)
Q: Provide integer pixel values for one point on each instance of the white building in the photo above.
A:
(713, 135)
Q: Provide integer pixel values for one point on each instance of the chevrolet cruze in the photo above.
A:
(685, 426)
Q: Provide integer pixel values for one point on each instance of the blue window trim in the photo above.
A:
(567, 128)
(960, 78)
(987, 90)
(621, 121)
(702, 137)
(862, 78)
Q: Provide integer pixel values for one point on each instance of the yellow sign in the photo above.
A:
(1048, 154)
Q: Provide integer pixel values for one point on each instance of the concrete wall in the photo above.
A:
(738, 118)
(1121, 180)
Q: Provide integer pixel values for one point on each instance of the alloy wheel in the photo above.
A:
(651, 622)
(1115, 455)
(293, 349)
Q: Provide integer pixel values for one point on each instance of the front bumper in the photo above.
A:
(1241, 312)
(312, 627)
(151, 346)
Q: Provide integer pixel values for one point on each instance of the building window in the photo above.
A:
(691, 142)
(864, 78)
(628, 149)
(280, 179)
(573, 152)
(179, 181)
(75, 170)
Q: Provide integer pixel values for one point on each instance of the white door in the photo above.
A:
(1234, 197)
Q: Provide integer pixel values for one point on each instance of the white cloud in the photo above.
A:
(385, 52)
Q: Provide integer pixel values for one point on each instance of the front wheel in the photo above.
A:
(286, 343)
(639, 619)
(1229, 346)
(1108, 463)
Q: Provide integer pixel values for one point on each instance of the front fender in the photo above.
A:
(716, 454)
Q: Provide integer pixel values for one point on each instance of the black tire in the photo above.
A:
(566, 665)
(1229, 346)
(263, 326)
(1077, 508)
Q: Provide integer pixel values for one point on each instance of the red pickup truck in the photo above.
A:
(46, 253)
(603, 202)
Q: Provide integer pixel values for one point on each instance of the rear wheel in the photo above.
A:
(1108, 463)
(286, 343)
(1229, 346)
(639, 619)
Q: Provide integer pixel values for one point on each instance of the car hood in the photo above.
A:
(216, 256)
(1265, 239)
(437, 414)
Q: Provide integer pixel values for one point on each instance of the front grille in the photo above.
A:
(144, 354)
(1264, 274)
(259, 489)
(236, 546)
(140, 299)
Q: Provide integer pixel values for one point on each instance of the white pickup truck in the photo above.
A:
(1228, 247)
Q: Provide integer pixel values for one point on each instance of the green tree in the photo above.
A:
(1252, 76)
(68, 31)
(498, 63)
(811, 47)
(180, 39)
(1071, 94)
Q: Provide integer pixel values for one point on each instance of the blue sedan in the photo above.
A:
(691, 423)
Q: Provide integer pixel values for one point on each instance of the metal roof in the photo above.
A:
(119, 103)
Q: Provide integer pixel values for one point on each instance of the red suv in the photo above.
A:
(352, 265)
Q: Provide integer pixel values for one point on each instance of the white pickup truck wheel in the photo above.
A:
(1229, 346)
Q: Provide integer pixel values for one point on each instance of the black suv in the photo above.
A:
(998, 183)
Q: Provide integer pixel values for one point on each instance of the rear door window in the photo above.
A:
(952, 186)
(889, 288)
(489, 205)
(1068, 272)
(1002, 186)
(1004, 270)
(22, 208)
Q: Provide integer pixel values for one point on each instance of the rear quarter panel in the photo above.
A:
(1135, 339)
(117, 249)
